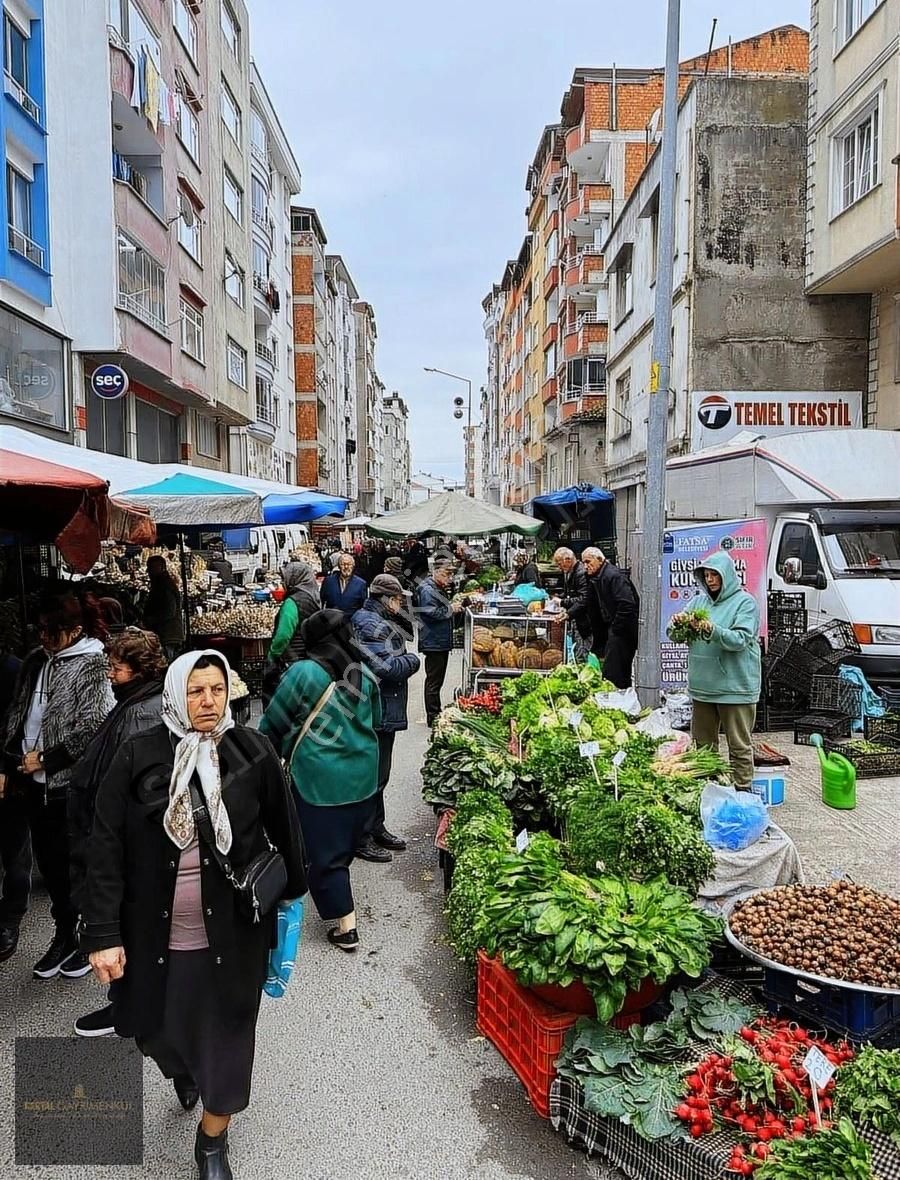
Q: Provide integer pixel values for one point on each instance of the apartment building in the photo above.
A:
(396, 453)
(370, 413)
(853, 209)
(308, 287)
(341, 455)
(489, 406)
(274, 180)
(584, 169)
(739, 279)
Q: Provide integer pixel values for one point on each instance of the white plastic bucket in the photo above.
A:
(769, 784)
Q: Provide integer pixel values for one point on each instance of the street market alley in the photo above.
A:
(369, 1067)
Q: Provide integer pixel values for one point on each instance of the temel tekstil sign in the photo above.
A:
(718, 417)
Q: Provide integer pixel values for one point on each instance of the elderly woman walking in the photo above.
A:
(183, 812)
(323, 721)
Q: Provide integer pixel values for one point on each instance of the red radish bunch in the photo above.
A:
(487, 701)
(737, 1089)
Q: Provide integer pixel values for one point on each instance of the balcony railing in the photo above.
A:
(260, 282)
(20, 243)
(261, 220)
(265, 353)
(266, 404)
(259, 152)
(139, 307)
(22, 97)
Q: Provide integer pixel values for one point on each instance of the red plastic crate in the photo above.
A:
(527, 1032)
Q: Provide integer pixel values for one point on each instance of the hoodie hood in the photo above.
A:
(721, 564)
(84, 647)
(297, 576)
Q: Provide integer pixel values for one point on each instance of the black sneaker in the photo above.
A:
(371, 851)
(60, 949)
(386, 839)
(76, 966)
(96, 1024)
(348, 941)
(9, 940)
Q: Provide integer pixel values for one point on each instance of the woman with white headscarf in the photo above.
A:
(163, 922)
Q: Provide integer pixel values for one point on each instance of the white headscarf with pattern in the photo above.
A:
(195, 753)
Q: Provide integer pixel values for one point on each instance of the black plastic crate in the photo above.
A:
(891, 698)
(778, 720)
(787, 622)
(855, 1014)
(833, 694)
(251, 672)
(831, 639)
(797, 666)
(782, 600)
(877, 728)
(832, 727)
(881, 764)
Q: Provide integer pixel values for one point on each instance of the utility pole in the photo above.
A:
(457, 413)
(648, 664)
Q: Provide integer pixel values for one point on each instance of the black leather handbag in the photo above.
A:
(261, 885)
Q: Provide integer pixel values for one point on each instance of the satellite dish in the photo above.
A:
(187, 210)
(655, 120)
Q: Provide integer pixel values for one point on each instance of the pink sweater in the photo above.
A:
(188, 932)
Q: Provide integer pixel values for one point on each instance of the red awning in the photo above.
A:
(45, 501)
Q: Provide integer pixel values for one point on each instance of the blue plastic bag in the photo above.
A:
(732, 819)
(283, 955)
(528, 592)
(871, 704)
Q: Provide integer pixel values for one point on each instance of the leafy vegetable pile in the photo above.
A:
(552, 926)
(837, 1153)
(685, 627)
(458, 761)
(480, 837)
(637, 840)
(868, 1090)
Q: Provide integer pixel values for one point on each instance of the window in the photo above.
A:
(851, 15)
(231, 30)
(157, 434)
(654, 244)
(18, 202)
(266, 402)
(185, 27)
(142, 284)
(15, 52)
(191, 330)
(187, 126)
(586, 375)
(569, 457)
(231, 113)
(624, 285)
(189, 225)
(237, 363)
(207, 436)
(797, 541)
(234, 198)
(259, 139)
(856, 155)
(106, 424)
(234, 280)
(550, 362)
(33, 372)
(259, 198)
(623, 396)
(552, 251)
(260, 261)
(127, 19)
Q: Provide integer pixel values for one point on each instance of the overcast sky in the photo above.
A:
(414, 124)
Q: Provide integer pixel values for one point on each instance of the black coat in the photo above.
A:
(132, 868)
(619, 607)
(576, 598)
(528, 575)
(382, 641)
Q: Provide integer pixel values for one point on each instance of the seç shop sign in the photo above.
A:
(717, 417)
(109, 381)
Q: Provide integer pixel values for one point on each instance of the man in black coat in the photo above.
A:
(619, 607)
(577, 601)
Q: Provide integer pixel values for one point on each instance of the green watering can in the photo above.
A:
(838, 777)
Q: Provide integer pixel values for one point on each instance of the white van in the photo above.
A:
(270, 546)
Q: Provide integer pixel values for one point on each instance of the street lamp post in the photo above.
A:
(468, 434)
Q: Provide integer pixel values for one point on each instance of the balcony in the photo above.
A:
(22, 97)
(265, 425)
(262, 303)
(585, 274)
(585, 212)
(20, 243)
(550, 335)
(587, 157)
(260, 153)
(593, 334)
(551, 279)
(265, 359)
(549, 390)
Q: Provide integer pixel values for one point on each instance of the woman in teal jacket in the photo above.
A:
(724, 669)
(323, 720)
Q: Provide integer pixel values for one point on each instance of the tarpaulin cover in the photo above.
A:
(187, 501)
(451, 514)
(577, 503)
(301, 506)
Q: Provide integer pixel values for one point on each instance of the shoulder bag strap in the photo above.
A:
(316, 710)
(204, 829)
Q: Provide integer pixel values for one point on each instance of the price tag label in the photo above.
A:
(588, 749)
(618, 759)
(818, 1067)
(522, 840)
(575, 718)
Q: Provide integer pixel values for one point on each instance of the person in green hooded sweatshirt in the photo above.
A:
(724, 668)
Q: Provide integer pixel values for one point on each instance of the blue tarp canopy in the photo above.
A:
(299, 508)
(188, 501)
(577, 503)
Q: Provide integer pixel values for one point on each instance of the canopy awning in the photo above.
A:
(188, 501)
(301, 506)
(450, 514)
(576, 503)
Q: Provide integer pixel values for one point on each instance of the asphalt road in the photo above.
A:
(370, 1065)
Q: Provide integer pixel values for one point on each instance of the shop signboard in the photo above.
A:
(717, 417)
(745, 541)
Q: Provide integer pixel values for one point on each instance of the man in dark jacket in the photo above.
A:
(619, 607)
(577, 600)
(415, 561)
(382, 644)
(343, 590)
(15, 841)
(435, 613)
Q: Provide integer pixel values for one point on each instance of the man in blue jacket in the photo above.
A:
(435, 613)
(382, 643)
(342, 589)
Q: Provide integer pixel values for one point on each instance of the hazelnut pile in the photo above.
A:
(842, 931)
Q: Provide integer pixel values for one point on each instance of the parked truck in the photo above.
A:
(831, 501)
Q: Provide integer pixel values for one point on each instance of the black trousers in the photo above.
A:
(385, 757)
(435, 671)
(50, 845)
(331, 836)
(15, 858)
(619, 657)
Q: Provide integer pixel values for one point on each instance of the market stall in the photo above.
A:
(579, 839)
(451, 514)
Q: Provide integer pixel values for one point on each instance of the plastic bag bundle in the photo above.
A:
(732, 819)
(528, 592)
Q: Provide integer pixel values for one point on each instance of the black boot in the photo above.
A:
(211, 1154)
(187, 1090)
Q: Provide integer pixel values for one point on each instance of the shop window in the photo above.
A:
(33, 368)
(106, 424)
(157, 434)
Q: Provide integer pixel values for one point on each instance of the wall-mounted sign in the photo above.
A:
(109, 381)
(718, 417)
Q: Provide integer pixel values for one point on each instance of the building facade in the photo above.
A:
(396, 453)
(341, 457)
(370, 413)
(853, 216)
(308, 289)
(739, 278)
(274, 180)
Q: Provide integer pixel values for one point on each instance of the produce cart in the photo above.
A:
(506, 644)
